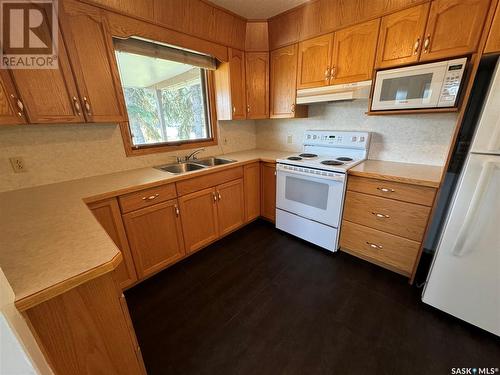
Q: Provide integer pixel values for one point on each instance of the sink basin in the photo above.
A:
(210, 162)
(180, 168)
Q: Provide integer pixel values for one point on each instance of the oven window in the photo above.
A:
(405, 88)
(310, 193)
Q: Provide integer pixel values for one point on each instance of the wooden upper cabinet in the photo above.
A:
(401, 37)
(251, 179)
(94, 65)
(230, 206)
(155, 236)
(136, 8)
(493, 43)
(314, 62)
(11, 108)
(268, 191)
(108, 215)
(354, 53)
(257, 84)
(454, 28)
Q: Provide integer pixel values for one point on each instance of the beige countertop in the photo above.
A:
(50, 240)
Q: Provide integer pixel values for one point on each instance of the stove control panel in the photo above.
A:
(336, 176)
(329, 138)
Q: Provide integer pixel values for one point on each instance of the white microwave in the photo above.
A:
(434, 85)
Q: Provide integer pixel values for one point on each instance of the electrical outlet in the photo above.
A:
(18, 164)
(289, 139)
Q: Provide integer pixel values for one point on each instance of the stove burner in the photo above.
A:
(331, 162)
(294, 158)
(344, 158)
(308, 155)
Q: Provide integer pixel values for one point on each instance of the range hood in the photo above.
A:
(348, 91)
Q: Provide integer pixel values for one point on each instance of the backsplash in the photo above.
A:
(54, 153)
(421, 139)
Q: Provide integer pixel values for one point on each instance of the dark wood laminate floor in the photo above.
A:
(263, 302)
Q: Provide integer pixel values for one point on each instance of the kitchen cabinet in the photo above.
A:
(108, 215)
(268, 191)
(199, 218)
(283, 79)
(453, 28)
(401, 37)
(354, 53)
(251, 179)
(493, 42)
(230, 206)
(230, 91)
(314, 58)
(11, 108)
(155, 236)
(257, 84)
(92, 57)
(136, 8)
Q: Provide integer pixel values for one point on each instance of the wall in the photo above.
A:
(422, 139)
(54, 153)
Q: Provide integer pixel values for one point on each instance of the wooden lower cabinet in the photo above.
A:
(199, 218)
(155, 236)
(268, 191)
(251, 180)
(230, 206)
(108, 214)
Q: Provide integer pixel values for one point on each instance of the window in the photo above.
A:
(166, 93)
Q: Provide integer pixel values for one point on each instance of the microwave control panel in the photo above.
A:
(451, 82)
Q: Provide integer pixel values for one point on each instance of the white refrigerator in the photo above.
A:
(464, 279)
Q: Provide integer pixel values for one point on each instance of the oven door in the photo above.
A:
(310, 196)
(406, 88)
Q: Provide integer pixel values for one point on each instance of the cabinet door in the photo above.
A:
(354, 53)
(11, 109)
(155, 236)
(108, 215)
(251, 177)
(454, 28)
(493, 43)
(257, 84)
(314, 62)
(400, 37)
(268, 195)
(237, 82)
(92, 57)
(199, 218)
(230, 206)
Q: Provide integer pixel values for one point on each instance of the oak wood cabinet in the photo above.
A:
(257, 84)
(453, 28)
(401, 37)
(493, 42)
(10, 106)
(108, 214)
(283, 88)
(155, 236)
(230, 206)
(251, 179)
(136, 8)
(268, 192)
(314, 59)
(88, 39)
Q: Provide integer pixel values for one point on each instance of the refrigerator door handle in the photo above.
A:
(470, 216)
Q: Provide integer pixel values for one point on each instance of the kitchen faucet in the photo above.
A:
(192, 156)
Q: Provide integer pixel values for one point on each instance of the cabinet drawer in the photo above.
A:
(400, 218)
(394, 190)
(144, 198)
(395, 252)
(208, 180)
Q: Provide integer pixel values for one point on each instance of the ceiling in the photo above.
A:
(258, 9)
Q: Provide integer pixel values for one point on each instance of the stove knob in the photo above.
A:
(361, 139)
(314, 137)
(354, 139)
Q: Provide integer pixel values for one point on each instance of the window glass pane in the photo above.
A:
(310, 193)
(166, 100)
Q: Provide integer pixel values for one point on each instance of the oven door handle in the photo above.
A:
(338, 178)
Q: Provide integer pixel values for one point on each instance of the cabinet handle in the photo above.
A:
(374, 245)
(177, 212)
(234, 109)
(385, 190)
(248, 108)
(219, 196)
(333, 72)
(87, 105)
(151, 197)
(416, 46)
(427, 42)
(78, 109)
(327, 73)
(382, 216)
(292, 108)
(215, 197)
(19, 104)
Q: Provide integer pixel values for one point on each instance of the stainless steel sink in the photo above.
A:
(210, 162)
(180, 168)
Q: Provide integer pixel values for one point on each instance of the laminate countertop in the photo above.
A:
(51, 242)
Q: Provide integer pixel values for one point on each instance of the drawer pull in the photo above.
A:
(219, 196)
(177, 212)
(385, 190)
(151, 197)
(374, 245)
(215, 197)
(382, 216)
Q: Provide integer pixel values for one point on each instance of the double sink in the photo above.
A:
(189, 166)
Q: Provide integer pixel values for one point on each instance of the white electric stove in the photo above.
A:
(310, 185)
